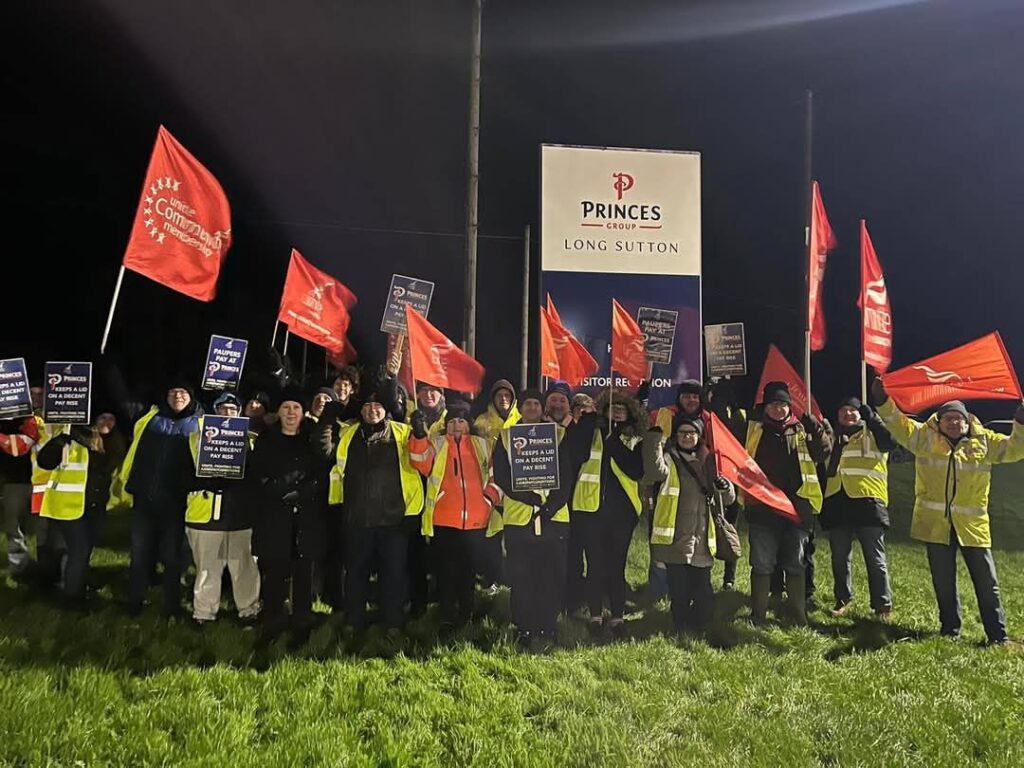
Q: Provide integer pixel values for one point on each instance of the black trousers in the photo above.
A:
(329, 572)
(732, 514)
(575, 581)
(536, 571)
(80, 538)
(387, 548)
(417, 568)
(458, 556)
(276, 575)
(606, 537)
(778, 583)
(692, 597)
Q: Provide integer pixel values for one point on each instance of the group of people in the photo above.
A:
(353, 481)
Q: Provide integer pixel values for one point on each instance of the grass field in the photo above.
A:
(103, 689)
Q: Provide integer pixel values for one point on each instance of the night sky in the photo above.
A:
(340, 129)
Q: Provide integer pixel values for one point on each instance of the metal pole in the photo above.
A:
(305, 351)
(472, 214)
(525, 342)
(808, 179)
(863, 309)
(273, 339)
(113, 305)
(287, 335)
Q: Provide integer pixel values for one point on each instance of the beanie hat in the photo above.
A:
(457, 409)
(697, 424)
(262, 398)
(953, 406)
(227, 398)
(327, 391)
(688, 387)
(851, 402)
(291, 394)
(776, 392)
(531, 394)
(556, 387)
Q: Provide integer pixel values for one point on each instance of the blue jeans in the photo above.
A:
(872, 544)
(782, 545)
(981, 566)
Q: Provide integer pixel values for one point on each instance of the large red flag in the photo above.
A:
(315, 305)
(822, 239)
(548, 356)
(436, 360)
(628, 355)
(345, 356)
(978, 370)
(575, 363)
(183, 226)
(876, 315)
(777, 368)
(737, 466)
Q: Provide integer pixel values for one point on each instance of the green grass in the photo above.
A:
(102, 689)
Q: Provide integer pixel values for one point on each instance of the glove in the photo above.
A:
(866, 413)
(531, 498)
(643, 391)
(418, 422)
(721, 483)
(544, 513)
(810, 423)
(332, 412)
(658, 430)
(1018, 415)
(878, 393)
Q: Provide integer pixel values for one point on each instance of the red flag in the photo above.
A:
(822, 239)
(315, 305)
(436, 360)
(548, 356)
(876, 315)
(777, 368)
(628, 355)
(552, 312)
(345, 356)
(575, 363)
(183, 226)
(738, 467)
(979, 370)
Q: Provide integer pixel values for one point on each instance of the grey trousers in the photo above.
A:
(17, 501)
(981, 566)
(213, 551)
(872, 544)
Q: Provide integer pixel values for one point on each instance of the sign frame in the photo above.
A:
(546, 482)
(49, 368)
(223, 385)
(221, 470)
(19, 409)
(724, 364)
(393, 320)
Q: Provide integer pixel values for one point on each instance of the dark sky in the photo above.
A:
(328, 122)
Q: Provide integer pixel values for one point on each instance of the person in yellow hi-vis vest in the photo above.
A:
(953, 458)
(788, 452)
(683, 528)
(856, 503)
(606, 502)
(536, 532)
(74, 467)
(218, 524)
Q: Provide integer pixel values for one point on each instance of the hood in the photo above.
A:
(636, 420)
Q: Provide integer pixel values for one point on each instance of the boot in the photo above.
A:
(797, 598)
(760, 586)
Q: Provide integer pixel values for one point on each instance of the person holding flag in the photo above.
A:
(787, 450)
(683, 530)
(856, 503)
(606, 502)
(953, 456)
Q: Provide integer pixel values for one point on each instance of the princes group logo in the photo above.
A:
(617, 214)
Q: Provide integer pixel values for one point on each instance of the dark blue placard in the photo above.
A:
(67, 393)
(15, 398)
(726, 349)
(533, 457)
(224, 362)
(223, 446)
(405, 290)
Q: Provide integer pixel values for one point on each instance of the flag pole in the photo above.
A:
(113, 305)
(808, 179)
(273, 339)
(305, 350)
(287, 334)
(327, 370)
(863, 308)
(524, 350)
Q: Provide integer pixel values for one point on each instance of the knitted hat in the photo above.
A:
(457, 408)
(531, 394)
(555, 387)
(227, 398)
(850, 402)
(688, 387)
(953, 406)
(776, 392)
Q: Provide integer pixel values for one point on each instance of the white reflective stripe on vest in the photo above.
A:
(39, 488)
(858, 472)
(418, 456)
(68, 487)
(587, 478)
(595, 454)
(810, 478)
(671, 490)
(939, 507)
(943, 461)
(666, 532)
